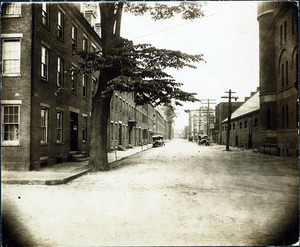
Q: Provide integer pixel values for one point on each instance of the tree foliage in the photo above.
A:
(140, 69)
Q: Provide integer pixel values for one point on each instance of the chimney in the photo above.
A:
(90, 13)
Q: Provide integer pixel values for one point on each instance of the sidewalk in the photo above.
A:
(63, 172)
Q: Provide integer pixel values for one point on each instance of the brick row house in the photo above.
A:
(45, 107)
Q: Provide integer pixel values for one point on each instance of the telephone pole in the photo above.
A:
(208, 101)
(229, 97)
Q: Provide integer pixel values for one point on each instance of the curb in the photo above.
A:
(46, 182)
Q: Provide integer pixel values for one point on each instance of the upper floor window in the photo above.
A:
(45, 14)
(85, 44)
(45, 63)
(74, 38)
(287, 116)
(60, 72)
(94, 83)
(60, 25)
(74, 80)
(282, 75)
(84, 95)
(246, 124)
(12, 9)
(255, 122)
(10, 124)
(11, 54)
(282, 117)
(287, 72)
(281, 34)
(285, 26)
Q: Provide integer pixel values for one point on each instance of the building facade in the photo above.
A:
(244, 125)
(45, 106)
(278, 61)
(201, 121)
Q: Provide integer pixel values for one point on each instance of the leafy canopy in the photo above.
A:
(140, 69)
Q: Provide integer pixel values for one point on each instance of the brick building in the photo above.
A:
(278, 60)
(45, 107)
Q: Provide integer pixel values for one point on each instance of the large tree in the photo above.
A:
(127, 67)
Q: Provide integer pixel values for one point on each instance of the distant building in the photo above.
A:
(278, 59)
(201, 121)
(244, 124)
(221, 110)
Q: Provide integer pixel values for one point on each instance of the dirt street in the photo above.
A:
(179, 194)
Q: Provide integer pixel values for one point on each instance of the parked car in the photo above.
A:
(158, 141)
(203, 140)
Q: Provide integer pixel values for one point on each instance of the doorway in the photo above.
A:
(73, 131)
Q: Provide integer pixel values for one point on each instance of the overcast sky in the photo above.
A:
(227, 37)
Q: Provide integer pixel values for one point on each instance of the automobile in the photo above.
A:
(203, 140)
(158, 141)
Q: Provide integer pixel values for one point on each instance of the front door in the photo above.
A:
(73, 131)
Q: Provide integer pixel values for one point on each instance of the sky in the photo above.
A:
(228, 39)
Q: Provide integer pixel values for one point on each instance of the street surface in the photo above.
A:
(179, 194)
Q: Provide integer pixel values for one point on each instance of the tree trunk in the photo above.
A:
(100, 117)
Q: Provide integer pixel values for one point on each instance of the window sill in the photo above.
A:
(44, 80)
(59, 143)
(11, 144)
(83, 141)
(11, 16)
(10, 75)
(44, 144)
(46, 27)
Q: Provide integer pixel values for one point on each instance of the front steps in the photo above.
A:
(76, 157)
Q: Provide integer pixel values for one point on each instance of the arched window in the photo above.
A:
(241, 125)
(282, 75)
(268, 119)
(280, 34)
(284, 31)
(287, 116)
(246, 124)
(282, 117)
(287, 72)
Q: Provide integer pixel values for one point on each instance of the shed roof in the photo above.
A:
(251, 105)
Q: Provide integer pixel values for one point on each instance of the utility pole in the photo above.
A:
(208, 101)
(229, 97)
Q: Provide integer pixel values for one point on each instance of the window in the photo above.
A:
(94, 83)
(60, 25)
(84, 128)
(280, 34)
(287, 116)
(12, 9)
(287, 72)
(116, 102)
(268, 119)
(282, 75)
(74, 38)
(60, 72)
(84, 86)
(246, 124)
(234, 126)
(84, 44)
(59, 126)
(111, 131)
(10, 124)
(241, 125)
(293, 24)
(44, 63)
(255, 122)
(282, 117)
(74, 80)
(44, 125)
(45, 14)
(285, 31)
(11, 54)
